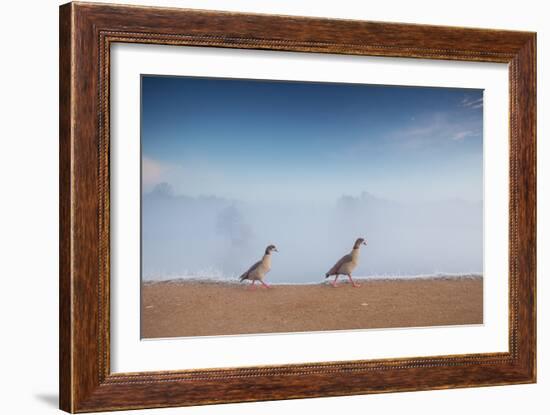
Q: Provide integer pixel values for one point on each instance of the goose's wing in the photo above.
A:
(247, 273)
(336, 267)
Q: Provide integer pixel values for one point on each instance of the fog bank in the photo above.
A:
(213, 237)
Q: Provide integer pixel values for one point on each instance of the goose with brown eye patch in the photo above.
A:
(258, 271)
(347, 264)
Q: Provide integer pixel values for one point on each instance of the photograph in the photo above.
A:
(275, 206)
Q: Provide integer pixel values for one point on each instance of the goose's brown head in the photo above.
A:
(359, 242)
(270, 249)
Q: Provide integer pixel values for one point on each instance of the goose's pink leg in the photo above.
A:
(252, 287)
(265, 285)
(333, 283)
(356, 285)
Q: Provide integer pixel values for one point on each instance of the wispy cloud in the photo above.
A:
(461, 135)
(473, 103)
(435, 128)
(422, 132)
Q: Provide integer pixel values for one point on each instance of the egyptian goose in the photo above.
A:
(257, 271)
(347, 264)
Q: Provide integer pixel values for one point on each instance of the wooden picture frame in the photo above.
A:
(86, 33)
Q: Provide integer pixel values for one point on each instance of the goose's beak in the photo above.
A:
(364, 242)
(275, 249)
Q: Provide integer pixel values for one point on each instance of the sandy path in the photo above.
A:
(173, 309)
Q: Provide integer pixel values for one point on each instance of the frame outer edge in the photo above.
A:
(523, 112)
(82, 388)
(528, 157)
(66, 120)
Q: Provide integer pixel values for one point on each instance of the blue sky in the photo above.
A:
(294, 141)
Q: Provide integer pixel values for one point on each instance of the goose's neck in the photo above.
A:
(355, 254)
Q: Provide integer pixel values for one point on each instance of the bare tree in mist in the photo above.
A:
(230, 224)
(163, 190)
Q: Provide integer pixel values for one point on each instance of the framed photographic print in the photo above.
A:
(258, 207)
